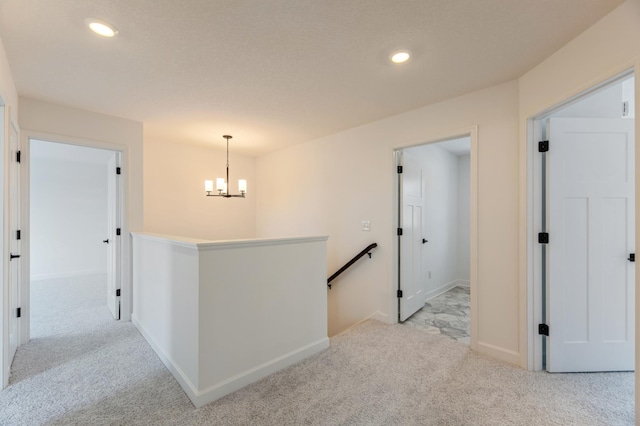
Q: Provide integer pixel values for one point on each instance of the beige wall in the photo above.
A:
(608, 47)
(63, 124)
(174, 197)
(7, 87)
(330, 185)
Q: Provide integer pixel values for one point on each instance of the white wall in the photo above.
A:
(174, 197)
(166, 306)
(606, 103)
(447, 216)
(68, 202)
(221, 315)
(464, 221)
(603, 51)
(64, 124)
(328, 186)
(440, 171)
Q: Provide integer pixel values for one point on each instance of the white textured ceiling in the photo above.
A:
(276, 72)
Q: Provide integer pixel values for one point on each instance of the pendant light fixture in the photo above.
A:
(222, 185)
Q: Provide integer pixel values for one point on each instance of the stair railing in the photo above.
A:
(351, 262)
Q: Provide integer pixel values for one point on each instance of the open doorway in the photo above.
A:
(74, 218)
(435, 238)
(583, 231)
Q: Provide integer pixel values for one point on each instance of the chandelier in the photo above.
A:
(222, 185)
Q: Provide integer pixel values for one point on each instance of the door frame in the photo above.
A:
(472, 133)
(5, 123)
(534, 212)
(13, 217)
(125, 256)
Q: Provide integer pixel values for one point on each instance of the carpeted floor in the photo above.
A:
(91, 370)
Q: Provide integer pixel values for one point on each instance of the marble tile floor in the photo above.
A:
(446, 314)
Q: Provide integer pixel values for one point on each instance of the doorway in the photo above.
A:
(434, 238)
(584, 220)
(74, 216)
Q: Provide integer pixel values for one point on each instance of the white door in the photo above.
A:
(113, 237)
(14, 240)
(412, 278)
(591, 310)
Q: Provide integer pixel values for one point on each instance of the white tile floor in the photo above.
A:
(447, 314)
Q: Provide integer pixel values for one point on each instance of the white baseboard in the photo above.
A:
(438, 291)
(376, 315)
(232, 384)
(503, 354)
(252, 375)
(173, 368)
(381, 317)
(71, 274)
(463, 283)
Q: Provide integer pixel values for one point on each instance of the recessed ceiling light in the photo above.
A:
(100, 27)
(399, 57)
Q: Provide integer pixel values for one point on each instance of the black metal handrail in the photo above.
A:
(351, 262)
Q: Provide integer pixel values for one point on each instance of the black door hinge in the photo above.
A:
(543, 146)
(399, 169)
(399, 294)
(118, 170)
(18, 234)
(543, 238)
(399, 231)
(18, 312)
(18, 156)
(118, 293)
(118, 232)
(543, 329)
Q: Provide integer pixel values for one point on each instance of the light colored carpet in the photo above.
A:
(92, 370)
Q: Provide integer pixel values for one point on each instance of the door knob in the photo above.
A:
(632, 257)
(106, 241)
(424, 241)
(13, 256)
